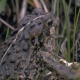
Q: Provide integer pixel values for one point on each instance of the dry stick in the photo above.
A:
(22, 11)
(12, 28)
(31, 3)
(44, 6)
(37, 4)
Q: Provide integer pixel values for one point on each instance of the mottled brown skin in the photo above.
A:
(22, 60)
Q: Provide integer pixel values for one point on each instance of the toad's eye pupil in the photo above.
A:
(49, 22)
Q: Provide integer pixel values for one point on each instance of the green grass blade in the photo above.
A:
(67, 28)
(75, 29)
(7, 33)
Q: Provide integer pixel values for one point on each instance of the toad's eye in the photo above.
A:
(49, 22)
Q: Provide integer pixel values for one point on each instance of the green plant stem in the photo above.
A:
(67, 28)
(75, 27)
(7, 33)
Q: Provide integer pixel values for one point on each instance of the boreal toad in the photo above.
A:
(20, 59)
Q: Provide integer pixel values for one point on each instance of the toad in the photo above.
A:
(20, 58)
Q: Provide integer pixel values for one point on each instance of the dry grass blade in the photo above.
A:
(44, 6)
(22, 11)
(37, 4)
(12, 28)
(31, 3)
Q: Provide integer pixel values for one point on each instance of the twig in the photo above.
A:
(31, 3)
(47, 75)
(22, 11)
(44, 6)
(37, 4)
(11, 27)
